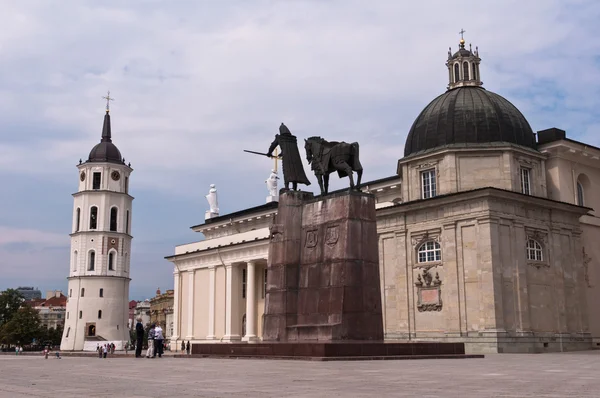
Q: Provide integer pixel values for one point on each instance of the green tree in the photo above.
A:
(23, 327)
(51, 336)
(10, 302)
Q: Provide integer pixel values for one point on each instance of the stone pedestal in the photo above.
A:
(323, 270)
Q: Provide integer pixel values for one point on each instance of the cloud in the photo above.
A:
(41, 239)
(197, 82)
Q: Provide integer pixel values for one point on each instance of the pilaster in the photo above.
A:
(212, 275)
(190, 314)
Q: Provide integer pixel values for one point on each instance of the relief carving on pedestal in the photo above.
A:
(429, 295)
(312, 238)
(332, 235)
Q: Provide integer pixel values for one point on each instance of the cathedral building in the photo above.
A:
(486, 236)
(98, 288)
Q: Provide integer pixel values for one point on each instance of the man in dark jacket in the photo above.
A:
(139, 334)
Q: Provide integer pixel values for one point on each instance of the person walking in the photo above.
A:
(104, 351)
(99, 350)
(187, 347)
(150, 352)
(158, 341)
(139, 331)
(182, 346)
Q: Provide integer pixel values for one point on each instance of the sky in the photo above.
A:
(196, 82)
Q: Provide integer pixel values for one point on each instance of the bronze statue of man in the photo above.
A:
(293, 170)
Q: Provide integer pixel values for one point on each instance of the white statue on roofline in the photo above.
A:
(272, 187)
(212, 203)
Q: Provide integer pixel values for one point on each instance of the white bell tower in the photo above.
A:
(98, 288)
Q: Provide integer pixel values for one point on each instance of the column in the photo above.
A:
(231, 303)
(190, 314)
(251, 303)
(212, 275)
(176, 317)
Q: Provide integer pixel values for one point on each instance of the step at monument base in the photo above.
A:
(350, 350)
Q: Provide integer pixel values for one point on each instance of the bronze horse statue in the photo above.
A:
(326, 157)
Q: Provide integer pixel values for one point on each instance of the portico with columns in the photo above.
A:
(220, 282)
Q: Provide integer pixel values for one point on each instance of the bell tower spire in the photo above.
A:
(463, 65)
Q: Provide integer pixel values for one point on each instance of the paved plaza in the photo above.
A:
(499, 375)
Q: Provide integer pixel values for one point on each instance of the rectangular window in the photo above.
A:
(244, 281)
(525, 181)
(264, 293)
(126, 184)
(428, 184)
(127, 222)
(97, 179)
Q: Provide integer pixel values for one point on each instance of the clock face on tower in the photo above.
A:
(115, 175)
(82, 176)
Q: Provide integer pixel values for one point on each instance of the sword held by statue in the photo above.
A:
(263, 154)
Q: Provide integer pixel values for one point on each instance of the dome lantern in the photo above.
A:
(463, 66)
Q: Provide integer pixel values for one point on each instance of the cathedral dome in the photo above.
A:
(105, 151)
(467, 113)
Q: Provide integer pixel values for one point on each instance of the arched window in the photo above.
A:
(99, 314)
(127, 223)
(67, 315)
(534, 251)
(101, 292)
(78, 215)
(113, 218)
(93, 217)
(456, 73)
(80, 314)
(475, 72)
(465, 71)
(430, 251)
(111, 261)
(75, 258)
(68, 331)
(70, 292)
(580, 201)
(82, 291)
(92, 261)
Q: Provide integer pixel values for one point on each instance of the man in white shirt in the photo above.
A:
(158, 340)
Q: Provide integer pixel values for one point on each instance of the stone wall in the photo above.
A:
(491, 296)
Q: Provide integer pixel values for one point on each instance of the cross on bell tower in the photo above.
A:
(108, 98)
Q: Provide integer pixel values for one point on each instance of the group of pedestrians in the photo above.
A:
(104, 350)
(155, 340)
(185, 347)
(18, 350)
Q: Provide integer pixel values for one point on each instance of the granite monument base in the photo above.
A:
(331, 351)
